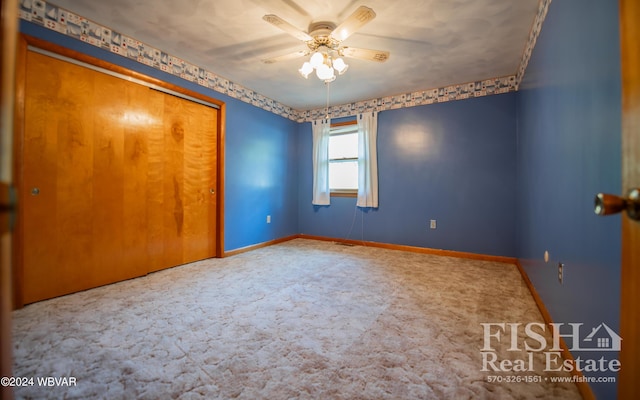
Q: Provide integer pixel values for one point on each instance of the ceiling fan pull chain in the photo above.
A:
(327, 109)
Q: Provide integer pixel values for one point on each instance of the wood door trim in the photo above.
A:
(8, 38)
(630, 274)
(220, 181)
(24, 42)
(18, 144)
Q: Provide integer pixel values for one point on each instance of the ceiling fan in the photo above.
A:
(324, 43)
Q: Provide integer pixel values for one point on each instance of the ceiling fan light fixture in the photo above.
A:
(324, 43)
(306, 69)
(340, 66)
(325, 73)
(316, 59)
(325, 67)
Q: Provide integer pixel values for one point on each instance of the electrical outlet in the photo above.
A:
(432, 224)
(268, 219)
(560, 272)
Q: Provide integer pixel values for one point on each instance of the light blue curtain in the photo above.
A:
(321, 191)
(368, 160)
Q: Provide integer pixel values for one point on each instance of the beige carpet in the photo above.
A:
(300, 320)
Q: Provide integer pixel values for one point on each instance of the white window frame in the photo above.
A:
(344, 128)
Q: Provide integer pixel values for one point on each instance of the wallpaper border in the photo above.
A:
(70, 24)
(536, 28)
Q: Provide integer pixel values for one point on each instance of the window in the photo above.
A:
(343, 159)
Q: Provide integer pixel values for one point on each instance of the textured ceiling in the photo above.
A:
(433, 43)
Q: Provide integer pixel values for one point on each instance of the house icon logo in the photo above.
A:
(601, 338)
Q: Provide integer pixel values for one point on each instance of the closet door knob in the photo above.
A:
(607, 204)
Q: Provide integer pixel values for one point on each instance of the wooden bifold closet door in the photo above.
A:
(118, 179)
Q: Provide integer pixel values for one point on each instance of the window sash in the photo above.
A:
(343, 175)
(348, 128)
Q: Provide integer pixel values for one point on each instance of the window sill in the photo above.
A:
(344, 194)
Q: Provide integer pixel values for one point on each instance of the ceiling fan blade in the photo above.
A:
(355, 21)
(287, 27)
(365, 54)
(285, 57)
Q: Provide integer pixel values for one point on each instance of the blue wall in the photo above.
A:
(453, 162)
(261, 176)
(260, 155)
(569, 149)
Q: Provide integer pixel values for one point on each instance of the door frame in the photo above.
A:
(23, 42)
(628, 386)
(8, 38)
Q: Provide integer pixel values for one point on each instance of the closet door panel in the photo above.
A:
(39, 180)
(117, 179)
(141, 116)
(108, 261)
(173, 180)
(155, 183)
(60, 212)
(199, 180)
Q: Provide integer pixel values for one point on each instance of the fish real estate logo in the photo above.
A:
(533, 338)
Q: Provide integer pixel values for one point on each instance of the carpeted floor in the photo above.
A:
(300, 320)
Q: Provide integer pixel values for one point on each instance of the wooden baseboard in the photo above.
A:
(389, 246)
(415, 249)
(583, 387)
(241, 250)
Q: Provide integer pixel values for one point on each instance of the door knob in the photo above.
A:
(607, 204)
(212, 191)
